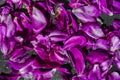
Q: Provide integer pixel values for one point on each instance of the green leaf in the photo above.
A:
(4, 67)
(1, 2)
(3, 57)
(21, 78)
(57, 76)
(109, 19)
(31, 52)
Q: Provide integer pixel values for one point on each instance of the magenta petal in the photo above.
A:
(56, 36)
(104, 6)
(45, 75)
(77, 59)
(93, 30)
(114, 76)
(95, 73)
(10, 26)
(116, 24)
(39, 22)
(102, 44)
(42, 53)
(106, 65)
(116, 7)
(75, 40)
(115, 43)
(86, 13)
(117, 59)
(97, 56)
(3, 31)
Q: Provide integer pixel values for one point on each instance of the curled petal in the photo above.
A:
(75, 40)
(58, 36)
(77, 59)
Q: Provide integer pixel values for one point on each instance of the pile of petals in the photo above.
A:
(45, 37)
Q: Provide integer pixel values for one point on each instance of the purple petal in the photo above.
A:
(115, 43)
(77, 59)
(117, 59)
(86, 13)
(114, 76)
(39, 22)
(116, 7)
(104, 6)
(56, 36)
(93, 30)
(102, 44)
(97, 56)
(116, 24)
(75, 40)
(10, 26)
(95, 73)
